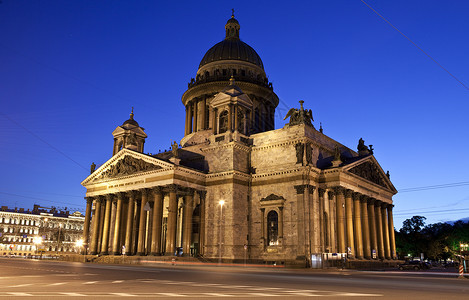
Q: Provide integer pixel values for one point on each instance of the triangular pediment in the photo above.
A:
(233, 95)
(369, 169)
(126, 163)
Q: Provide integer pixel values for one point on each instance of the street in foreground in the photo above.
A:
(51, 279)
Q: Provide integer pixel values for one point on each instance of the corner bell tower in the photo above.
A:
(129, 135)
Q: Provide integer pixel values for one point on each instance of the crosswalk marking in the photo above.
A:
(20, 285)
(73, 294)
(124, 294)
(57, 283)
(218, 295)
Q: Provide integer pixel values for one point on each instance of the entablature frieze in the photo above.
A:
(230, 145)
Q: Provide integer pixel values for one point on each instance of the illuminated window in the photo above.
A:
(272, 228)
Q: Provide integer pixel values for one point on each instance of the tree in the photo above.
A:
(413, 225)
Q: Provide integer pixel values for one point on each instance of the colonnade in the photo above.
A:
(131, 222)
(364, 226)
(193, 123)
(200, 117)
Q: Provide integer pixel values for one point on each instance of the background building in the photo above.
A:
(40, 231)
(237, 188)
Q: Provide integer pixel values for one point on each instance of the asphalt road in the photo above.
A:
(24, 279)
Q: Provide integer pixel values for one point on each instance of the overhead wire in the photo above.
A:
(413, 43)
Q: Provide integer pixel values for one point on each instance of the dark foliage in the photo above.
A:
(436, 241)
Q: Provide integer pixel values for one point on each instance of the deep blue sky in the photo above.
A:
(70, 71)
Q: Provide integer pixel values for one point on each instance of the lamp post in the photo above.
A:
(37, 241)
(80, 244)
(58, 239)
(221, 202)
(462, 259)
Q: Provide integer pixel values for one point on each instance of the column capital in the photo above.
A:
(89, 199)
(356, 196)
(384, 205)
(300, 189)
(109, 197)
(202, 194)
(146, 191)
(120, 195)
(348, 193)
(390, 206)
(132, 193)
(321, 192)
(339, 190)
(377, 203)
(364, 198)
(173, 188)
(157, 189)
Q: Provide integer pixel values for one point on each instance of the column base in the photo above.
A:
(104, 253)
(93, 253)
(115, 253)
(140, 253)
(155, 254)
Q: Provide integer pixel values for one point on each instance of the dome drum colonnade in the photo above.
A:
(119, 223)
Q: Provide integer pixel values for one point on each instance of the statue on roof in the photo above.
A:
(175, 149)
(300, 116)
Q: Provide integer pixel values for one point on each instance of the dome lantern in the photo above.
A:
(232, 27)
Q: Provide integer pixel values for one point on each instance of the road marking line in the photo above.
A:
(89, 282)
(118, 281)
(171, 294)
(358, 295)
(123, 294)
(57, 283)
(19, 294)
(20, 285)
(217, 295)
(304, 294)
(261, 294)
(73, 294)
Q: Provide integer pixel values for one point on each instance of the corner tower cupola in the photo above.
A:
(232, 28)
(129, 135)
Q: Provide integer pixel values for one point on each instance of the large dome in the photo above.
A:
(232, 48)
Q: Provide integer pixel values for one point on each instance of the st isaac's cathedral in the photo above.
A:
(235, 188)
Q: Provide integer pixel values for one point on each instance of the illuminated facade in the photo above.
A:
(235, 187)
(39, 231)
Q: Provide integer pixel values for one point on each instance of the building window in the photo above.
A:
(272, 228)
(223, 123)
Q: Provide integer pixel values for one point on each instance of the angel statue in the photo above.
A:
(300, 116)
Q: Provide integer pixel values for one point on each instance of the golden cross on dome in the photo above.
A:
(232, 12)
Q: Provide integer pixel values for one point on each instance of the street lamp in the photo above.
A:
(58, 239)
(221, 202)
(79, 244)
(37, 240)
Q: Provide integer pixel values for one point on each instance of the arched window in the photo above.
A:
(272, 228)
(240, 124)
(223, 122)
(256, 120)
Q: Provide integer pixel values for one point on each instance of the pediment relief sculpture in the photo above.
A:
(272, 197)
(127, 166)
(370, 172)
